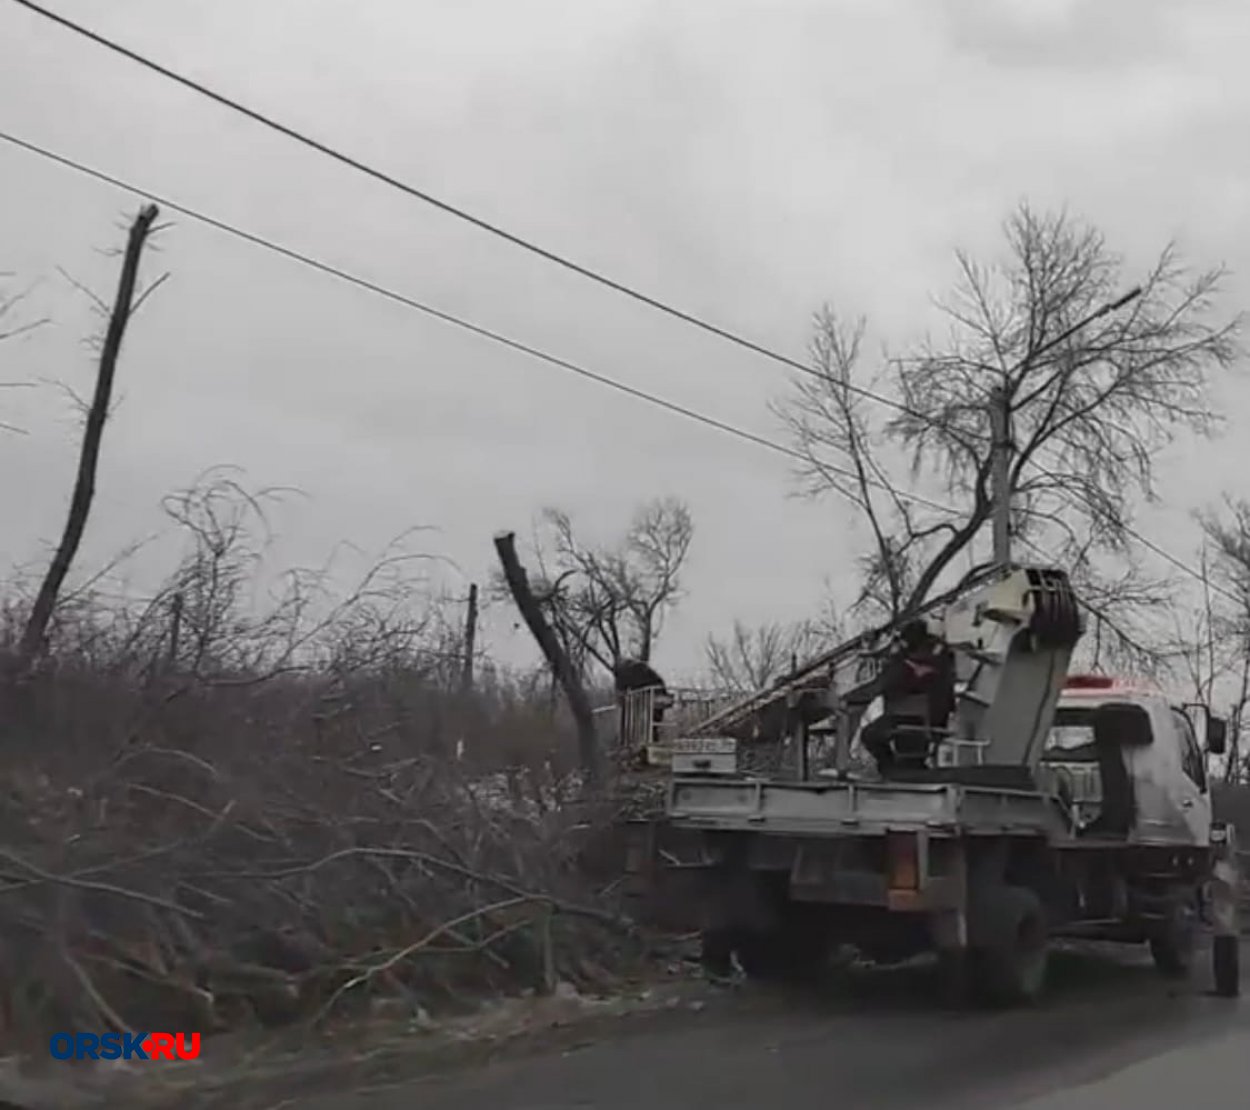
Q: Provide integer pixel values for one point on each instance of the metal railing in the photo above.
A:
(629, 725)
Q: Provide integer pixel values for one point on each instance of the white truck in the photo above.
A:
(1046, 805)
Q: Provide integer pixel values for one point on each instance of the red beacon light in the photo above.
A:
(1089, 682)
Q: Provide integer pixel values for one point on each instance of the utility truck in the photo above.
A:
(1042, 805)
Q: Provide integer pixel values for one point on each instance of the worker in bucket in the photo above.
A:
(917, 691)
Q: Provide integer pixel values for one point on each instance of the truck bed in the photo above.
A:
(836, 807)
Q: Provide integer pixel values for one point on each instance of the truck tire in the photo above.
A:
(1175, 939)
(952, 978)
(795, 951)
(716, 953)
(763, 956)
(1008, 960)
(1226, 964)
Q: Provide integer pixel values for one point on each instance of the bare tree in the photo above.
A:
(751, 657)
(1214, 649)
(608, 603)
(557, 658)
(125, 304)
(12, 326)
(1127, 611)
(1091, 383)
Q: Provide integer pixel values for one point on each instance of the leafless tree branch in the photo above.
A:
(1090, 407)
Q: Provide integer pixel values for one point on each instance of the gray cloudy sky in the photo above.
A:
(743, 160)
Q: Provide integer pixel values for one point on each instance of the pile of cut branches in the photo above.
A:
(170, 890)
(220, 805)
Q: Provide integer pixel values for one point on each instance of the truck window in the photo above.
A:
(1192, 759)
(1071, 738)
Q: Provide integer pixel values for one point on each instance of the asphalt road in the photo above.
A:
(1111, 1034)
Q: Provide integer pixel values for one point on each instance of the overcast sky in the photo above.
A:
(744, 161)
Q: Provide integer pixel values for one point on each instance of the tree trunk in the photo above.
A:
(557, 658)
(34, 637)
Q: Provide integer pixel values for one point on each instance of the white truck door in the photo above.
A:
(1193, 790)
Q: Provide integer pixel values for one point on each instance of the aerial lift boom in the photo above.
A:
(1011, 631)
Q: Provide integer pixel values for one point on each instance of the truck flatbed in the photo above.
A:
(832, 807)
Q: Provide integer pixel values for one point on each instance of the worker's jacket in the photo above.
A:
(919, 685)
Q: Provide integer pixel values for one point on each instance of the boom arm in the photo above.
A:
(1012, 632)
(839, 671)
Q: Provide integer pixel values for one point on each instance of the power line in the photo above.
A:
(450, 318)
(535, 248)
(529, 245)
(1162, 552)
(447, 207)
(506, 341)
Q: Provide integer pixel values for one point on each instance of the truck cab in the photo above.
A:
(1130, 763)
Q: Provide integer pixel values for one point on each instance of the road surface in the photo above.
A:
(1111, 1034)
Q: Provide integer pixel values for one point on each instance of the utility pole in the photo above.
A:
(1000, 476)
(177, 602)
(470, 639)
(1002, 445)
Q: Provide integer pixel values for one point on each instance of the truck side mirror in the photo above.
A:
(1217, 735)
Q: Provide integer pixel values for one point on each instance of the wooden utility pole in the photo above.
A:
(1001, 445)
(34, 637)
(175, 630)
(470, 641)
(557, 658)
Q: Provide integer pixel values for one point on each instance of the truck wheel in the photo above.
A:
(1009, 959)
(952, 978)
(716, 955)
(795, 951)
(1173, 944)
(1226, 964)
(762, 955)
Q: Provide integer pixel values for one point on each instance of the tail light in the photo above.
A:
(1089, 682)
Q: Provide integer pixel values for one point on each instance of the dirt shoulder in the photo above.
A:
(390, 1047)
